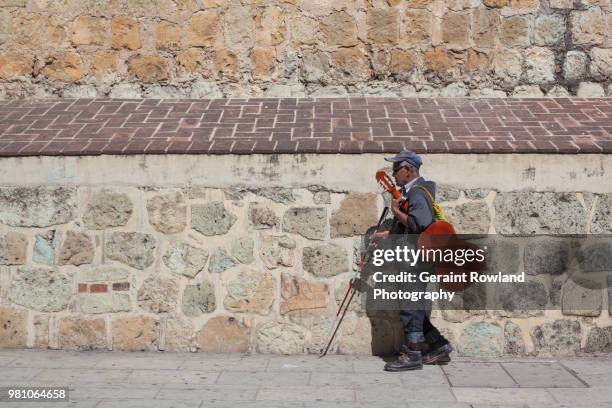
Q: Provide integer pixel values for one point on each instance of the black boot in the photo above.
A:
(408, 360)
(438, 355)
(437, 349)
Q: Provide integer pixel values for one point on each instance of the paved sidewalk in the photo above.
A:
(119, 380)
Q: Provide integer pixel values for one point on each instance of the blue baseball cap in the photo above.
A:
(405, 156)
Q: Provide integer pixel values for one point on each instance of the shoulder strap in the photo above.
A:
(438, 214)
(433, 201)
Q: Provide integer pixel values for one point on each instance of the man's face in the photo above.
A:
(403, 175)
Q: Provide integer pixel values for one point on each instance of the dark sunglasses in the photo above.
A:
(397, 169)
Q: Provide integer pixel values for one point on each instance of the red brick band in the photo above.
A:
(308, 125)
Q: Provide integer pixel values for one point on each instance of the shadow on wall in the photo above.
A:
(386, 330)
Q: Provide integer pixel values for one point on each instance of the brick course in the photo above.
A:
(305, 125)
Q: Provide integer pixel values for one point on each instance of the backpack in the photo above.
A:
(440, 234)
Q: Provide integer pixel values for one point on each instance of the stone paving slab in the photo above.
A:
(502, 396)
(478, 375)
(245, 363)
(169, 377)
(387, 394)
(343, 364)
(111, 391)
(331, 379)
(595, 372)
(539, 375)
(395, 404)
(306, 393)
(305, 125)
(59, 376)
(228, 393)
(596, 396)
(116, 379)
(263, 378)
(154, 403)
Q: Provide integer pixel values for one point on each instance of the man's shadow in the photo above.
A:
(386, 329)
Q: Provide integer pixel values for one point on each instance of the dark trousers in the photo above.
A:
(414, 317)
(418, 328)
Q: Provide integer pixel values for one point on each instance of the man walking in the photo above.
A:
(424, 343)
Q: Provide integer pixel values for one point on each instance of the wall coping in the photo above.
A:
(349, 125)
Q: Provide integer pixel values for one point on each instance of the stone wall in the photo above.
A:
(215, 48)
(188, 252)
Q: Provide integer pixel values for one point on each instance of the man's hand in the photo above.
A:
(395, 206)
(377, 237)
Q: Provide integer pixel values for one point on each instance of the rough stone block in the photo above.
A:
(224, 334)
(89, 30)
(158, 294)
(202, 28)
(277, 251)
(148, 68)
(94, 303)
(199, 299)
(595, 257)
(357, 213)
(602, 218)
(251, 292)
(131, 248)
(125, 32)
(549, 256)
(456, 30)
(77, 249)
(104, 273)
(37, 206)
(211, 218)
(590, 90)
(539, 65)
(280, 337)
(179, 334)
(514, 31)
(507, 67)
(13, 65)
(220, 261)
(41, 289)
(339, 29)
(310, 222)
(301, 296)
(82, 334)
(561, 337)
(581, 298)
(14, 331)
(481, 339)
(599, 340)
(138, 333)
(383, 26)
(527, 213)
(13, 247)
(521, 299)
(167, 213)
(469, 218)
(587, 26)
(168, 36)
(64, 66)
(325, 260)
(185, 259)
(575, 65)
(242, 249)
(514, 343)
(549, 29)
(417, 26)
